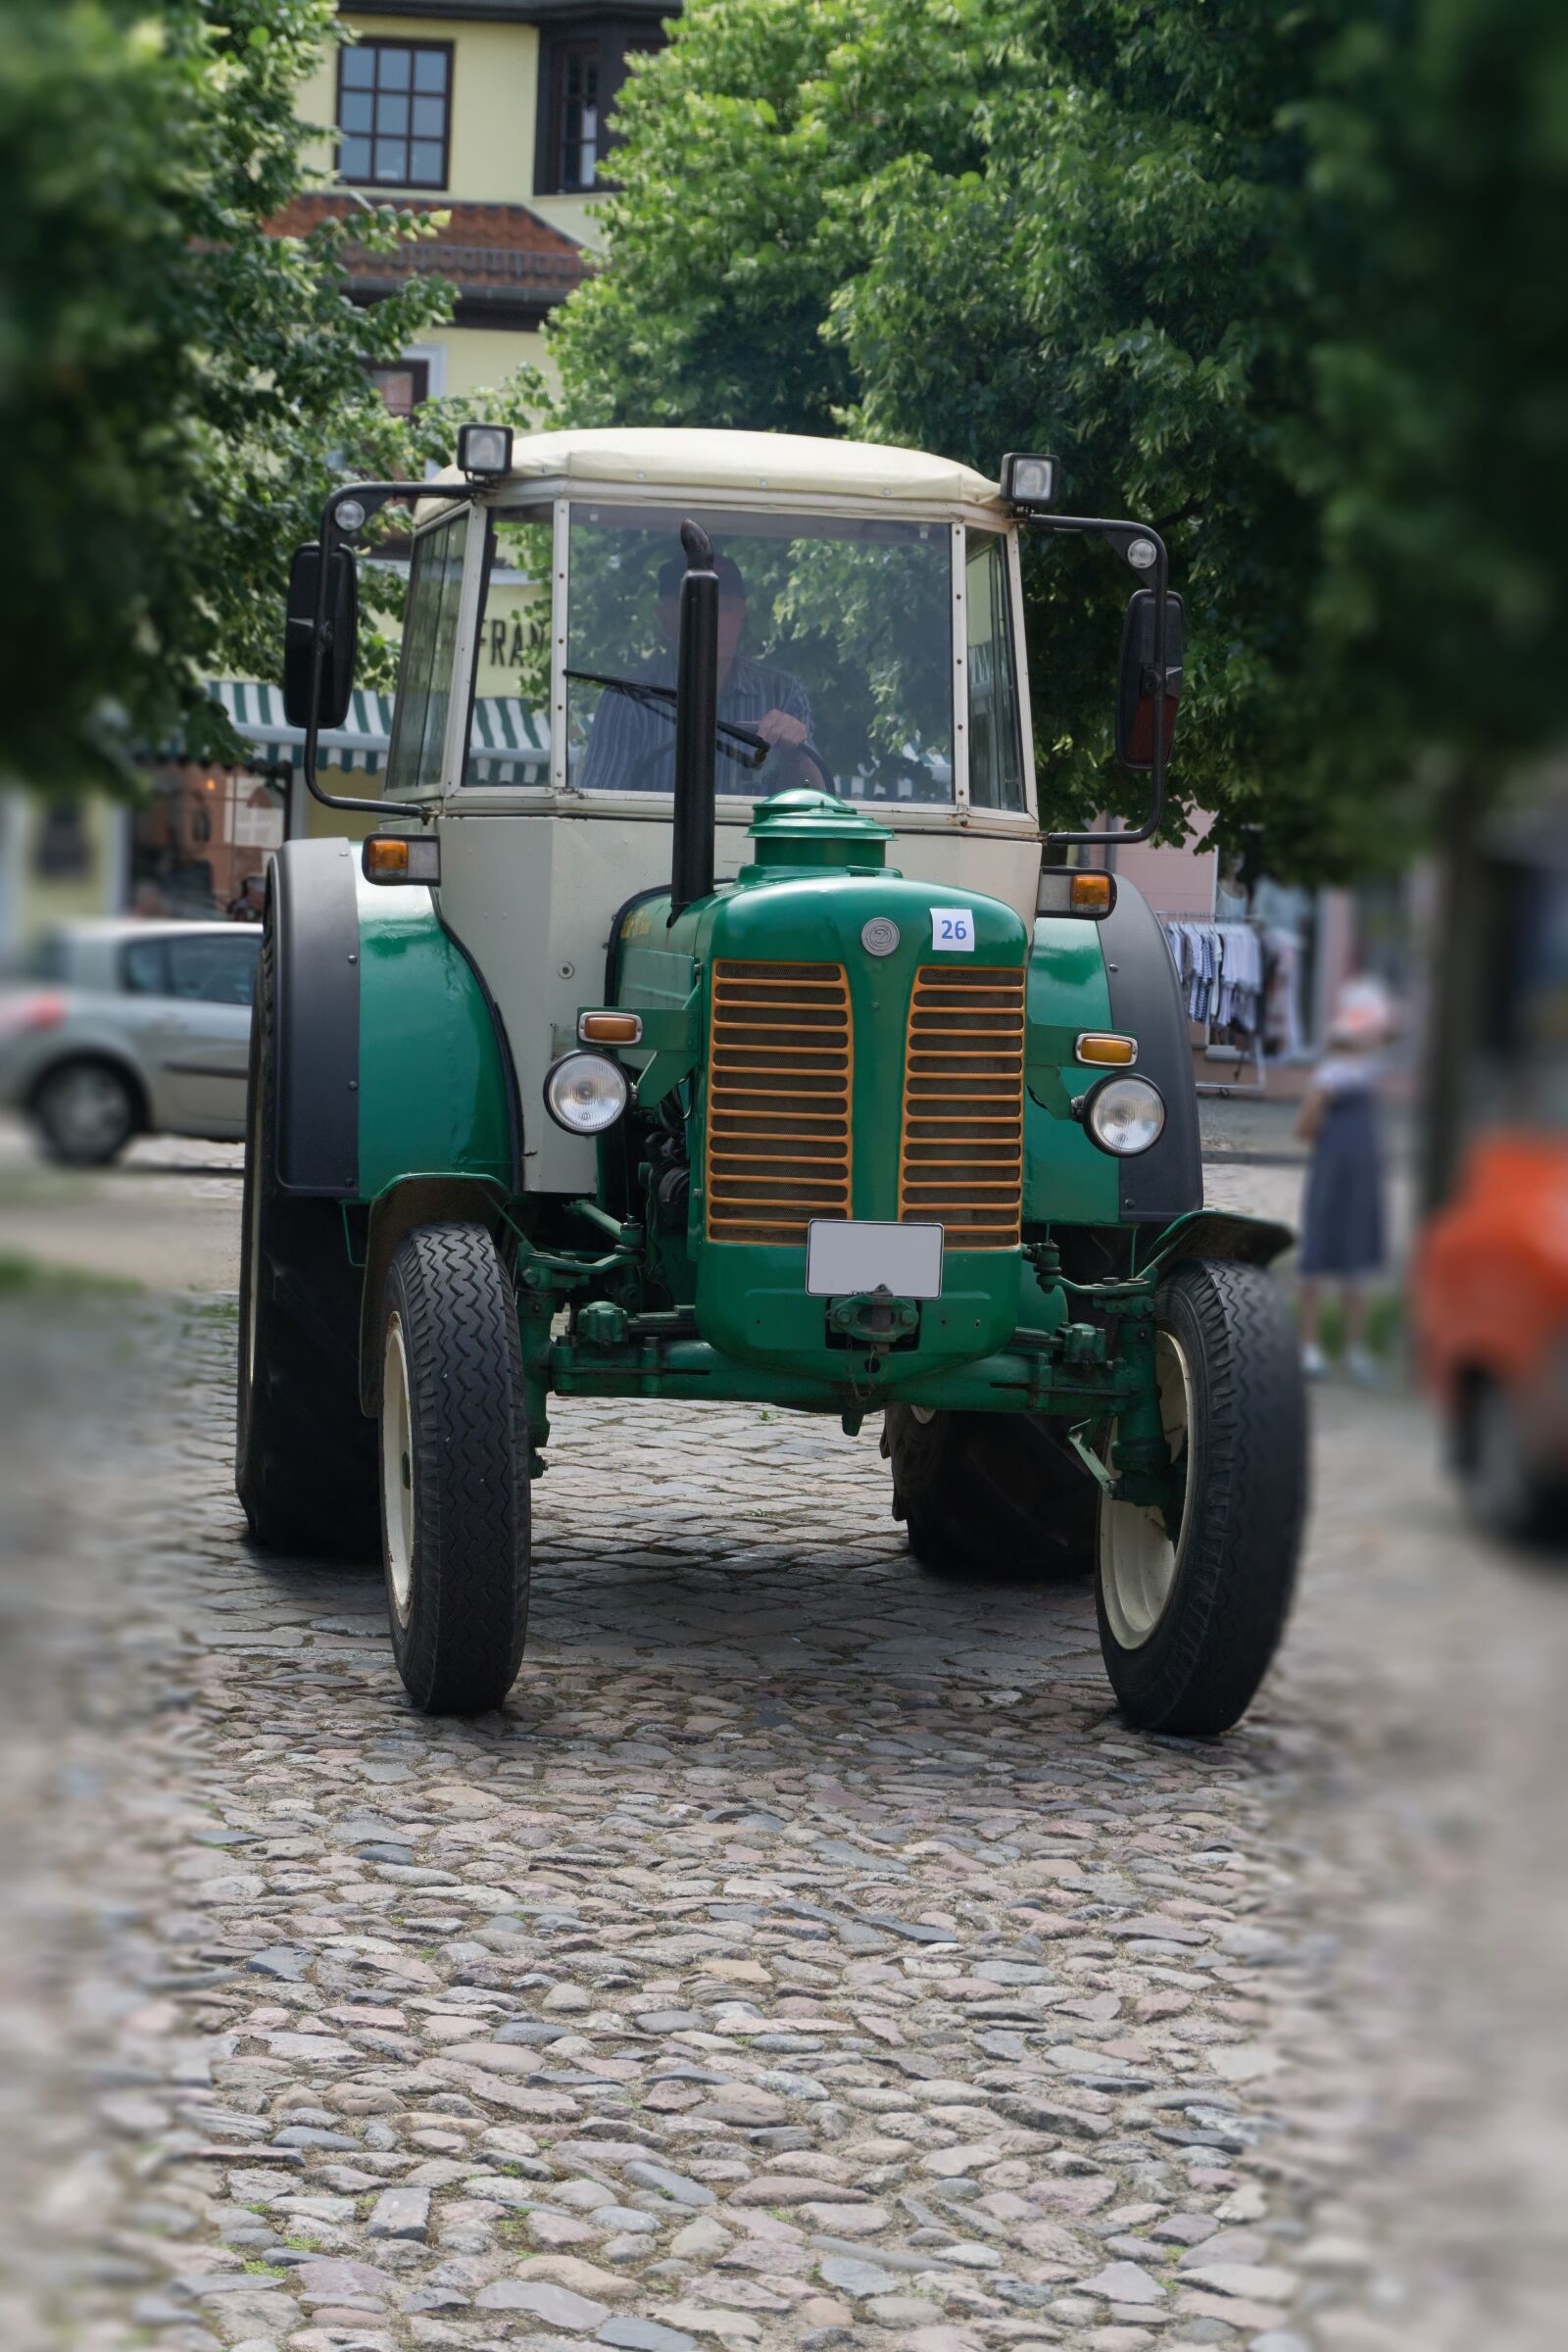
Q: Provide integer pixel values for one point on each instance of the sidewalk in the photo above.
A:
(1237, 1129)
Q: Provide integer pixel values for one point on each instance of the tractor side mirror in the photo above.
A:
(1138, 687)
(299, 637)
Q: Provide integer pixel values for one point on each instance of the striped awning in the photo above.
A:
(510, 744)
(257, 712)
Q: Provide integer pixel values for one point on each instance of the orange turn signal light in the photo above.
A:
(1083, 891)
(610, 1029)
(1106, 1052)
(401, 858)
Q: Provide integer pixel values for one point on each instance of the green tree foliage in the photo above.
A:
(749, 141)
(1279, 278)
(174, 383)
(1120, 284)
(1436, 448)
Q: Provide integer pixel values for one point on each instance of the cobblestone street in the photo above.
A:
(783, 948)
(806, 1957)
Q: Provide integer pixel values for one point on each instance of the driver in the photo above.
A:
(632, 745)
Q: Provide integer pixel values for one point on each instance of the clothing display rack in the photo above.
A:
(1219, 961)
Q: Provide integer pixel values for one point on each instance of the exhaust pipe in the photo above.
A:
(696, 723)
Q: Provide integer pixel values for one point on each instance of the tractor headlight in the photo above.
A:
(1125, 1116)
(586, 1092)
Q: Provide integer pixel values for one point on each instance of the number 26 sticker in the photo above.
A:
(953, 930)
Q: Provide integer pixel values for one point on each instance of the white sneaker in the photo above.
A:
(1315, 1364)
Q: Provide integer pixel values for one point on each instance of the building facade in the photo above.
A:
(494, 112)
(493, 115)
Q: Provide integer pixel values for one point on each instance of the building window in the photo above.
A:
(404, 385)
(62, 852)
(577, 121)
(582, 71)
(394, 113)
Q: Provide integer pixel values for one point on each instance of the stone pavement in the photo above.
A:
(806, 1957)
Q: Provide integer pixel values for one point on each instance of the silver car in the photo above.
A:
(130, 1028)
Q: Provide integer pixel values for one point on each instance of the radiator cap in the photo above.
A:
(801, 827)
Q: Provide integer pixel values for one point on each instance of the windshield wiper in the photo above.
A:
(662, 699)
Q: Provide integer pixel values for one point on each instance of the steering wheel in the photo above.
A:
(661, 752)
(808, 751)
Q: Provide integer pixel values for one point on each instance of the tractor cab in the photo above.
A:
(869, 612)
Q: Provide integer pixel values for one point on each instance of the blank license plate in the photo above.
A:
(865, 1255)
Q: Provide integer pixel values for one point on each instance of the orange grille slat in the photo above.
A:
(961, 1157)
(779, 1069)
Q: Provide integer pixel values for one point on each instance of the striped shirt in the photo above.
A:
(632, 745)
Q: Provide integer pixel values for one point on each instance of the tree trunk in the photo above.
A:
(1456, 990)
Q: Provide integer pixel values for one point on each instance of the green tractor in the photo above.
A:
(710, 1022)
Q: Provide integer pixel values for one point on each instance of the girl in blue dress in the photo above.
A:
(1342, 1220)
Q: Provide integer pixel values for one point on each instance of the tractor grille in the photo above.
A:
(778, 1101)
(962, 1160)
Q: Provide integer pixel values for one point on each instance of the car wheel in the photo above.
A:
(86, 1113)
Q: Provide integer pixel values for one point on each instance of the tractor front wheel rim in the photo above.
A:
(397, 1469)
(1138, 1557)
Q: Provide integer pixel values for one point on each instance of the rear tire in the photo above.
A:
(1507, 1495)
(86, 1112)
(1189, 1628)
(990, 1493)
(305, 1465)
(454, 1470)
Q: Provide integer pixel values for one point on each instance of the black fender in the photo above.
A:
(316, 931)
(1145, 1002)
(1219, 1234)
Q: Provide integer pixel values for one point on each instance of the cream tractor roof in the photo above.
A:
(796, 463)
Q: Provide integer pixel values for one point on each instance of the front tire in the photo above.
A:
(1189, 1620)
(305, 1463)
(454, 1471)
(990, 1493)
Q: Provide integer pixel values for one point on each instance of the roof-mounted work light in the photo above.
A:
(1029, 481)
(484, 451)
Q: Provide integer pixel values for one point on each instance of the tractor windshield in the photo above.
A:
(835, 635)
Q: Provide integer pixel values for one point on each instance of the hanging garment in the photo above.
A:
(1241, 990)
(1281, 957)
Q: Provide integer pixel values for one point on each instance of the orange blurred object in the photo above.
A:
(1489, 1294)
